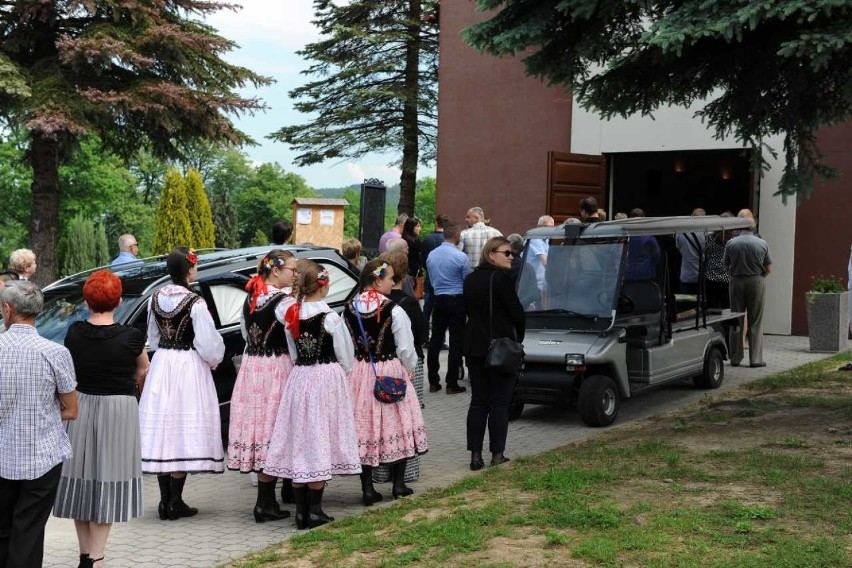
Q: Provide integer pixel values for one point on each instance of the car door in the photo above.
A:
(225, 294)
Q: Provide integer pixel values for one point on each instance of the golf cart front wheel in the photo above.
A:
(598, 401)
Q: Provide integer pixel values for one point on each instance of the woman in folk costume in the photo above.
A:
(179, 411)
(314, 434)
(388, 433)
(263, 373)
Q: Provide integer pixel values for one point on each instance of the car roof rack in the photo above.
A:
(639, 226)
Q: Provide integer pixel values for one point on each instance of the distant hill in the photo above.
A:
(391, 197)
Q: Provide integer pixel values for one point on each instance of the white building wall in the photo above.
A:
(674, 128)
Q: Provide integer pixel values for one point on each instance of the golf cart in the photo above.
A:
(603, 322)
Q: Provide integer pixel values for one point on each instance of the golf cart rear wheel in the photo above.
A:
(713, 374)
(598, 401)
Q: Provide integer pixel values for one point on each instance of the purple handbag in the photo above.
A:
(386, 389)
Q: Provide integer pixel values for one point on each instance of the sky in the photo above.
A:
(269, 32)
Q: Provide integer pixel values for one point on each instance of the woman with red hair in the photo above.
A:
(263, 373)
(101, 483)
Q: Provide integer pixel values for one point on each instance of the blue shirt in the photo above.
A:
(124, 260)
(535, 248)
(447, 268)
(643, 257)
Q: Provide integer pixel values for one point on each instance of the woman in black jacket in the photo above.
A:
(493, 311)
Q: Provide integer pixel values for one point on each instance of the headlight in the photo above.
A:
(575, 362)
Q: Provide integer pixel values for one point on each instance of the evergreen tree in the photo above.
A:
(81, 248)
(136, 73)
(225, 221)
(102, 256)
(172, 227)
(198, 209)
(376, 72)
(259, 239)
(761, 68)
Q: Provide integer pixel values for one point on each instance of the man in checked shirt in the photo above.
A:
(37, 393)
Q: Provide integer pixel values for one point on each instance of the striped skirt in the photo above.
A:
(102, 481)
(382, 473)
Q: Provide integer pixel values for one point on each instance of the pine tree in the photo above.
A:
(760, 68)
(198, 209)
(172, 227)
(225, 221)
(102, 256)
(80, 246)
(139, 74)
(376, 84)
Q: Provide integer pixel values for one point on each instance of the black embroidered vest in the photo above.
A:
(265, 333)
(176, 331)
(314, 345)
(382, 344)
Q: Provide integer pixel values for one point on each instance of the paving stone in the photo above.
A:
(225, 529)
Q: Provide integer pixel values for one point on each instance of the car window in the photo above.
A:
(229, 303)
(340, 285)
(61, 310)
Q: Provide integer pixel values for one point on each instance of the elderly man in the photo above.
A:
(473, 238)
(395, 232)
(747, 261)
(36, 394)
(128, 250)
(537, 252)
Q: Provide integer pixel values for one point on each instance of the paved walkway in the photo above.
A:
(225, 528)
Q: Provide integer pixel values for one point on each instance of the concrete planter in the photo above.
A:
(828, 321)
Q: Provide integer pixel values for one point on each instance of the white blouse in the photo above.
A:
(280, 309)
(344, 349)
(400, 326)
(208, 343)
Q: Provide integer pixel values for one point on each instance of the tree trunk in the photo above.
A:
(44, 217)
(410, 127)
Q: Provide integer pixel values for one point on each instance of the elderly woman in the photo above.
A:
(179, 411)
(493, 311)
(23, 261)
(102, 482)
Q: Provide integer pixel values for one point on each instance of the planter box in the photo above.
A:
(828, 321)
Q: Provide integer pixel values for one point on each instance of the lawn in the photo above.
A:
(761, 476)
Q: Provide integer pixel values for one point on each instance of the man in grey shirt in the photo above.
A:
(691, 247)
(747, 262)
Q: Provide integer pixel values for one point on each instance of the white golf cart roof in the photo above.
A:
(639, 226)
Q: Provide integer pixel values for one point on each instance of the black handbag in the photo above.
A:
(386, 389)
(505, 354)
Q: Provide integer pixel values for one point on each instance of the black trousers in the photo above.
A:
(490, 395)
(24, 509)
(448, 313)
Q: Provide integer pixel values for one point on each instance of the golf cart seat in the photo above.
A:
(641, 297)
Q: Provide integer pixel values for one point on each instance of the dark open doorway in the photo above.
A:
(675, 183)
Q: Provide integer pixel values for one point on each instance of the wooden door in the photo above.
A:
(570, 178)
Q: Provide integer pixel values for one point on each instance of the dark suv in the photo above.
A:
(222, 276)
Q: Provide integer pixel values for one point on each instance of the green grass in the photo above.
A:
(632, 498)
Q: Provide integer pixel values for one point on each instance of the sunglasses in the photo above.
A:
(508, 253)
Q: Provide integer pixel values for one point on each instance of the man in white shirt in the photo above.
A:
(473, 239)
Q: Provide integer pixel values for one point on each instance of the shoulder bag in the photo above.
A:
(386, 389)
(505, 354)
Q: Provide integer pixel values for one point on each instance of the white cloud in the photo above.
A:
(285, 23)
(356, 171)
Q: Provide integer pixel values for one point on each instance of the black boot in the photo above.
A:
(476, 462)
(316, 516)
(400, 489)
(85, 561)
(177, 508)
(287, 491)
(162, 508)
(300, 495)
(267, 508)
(369, 493)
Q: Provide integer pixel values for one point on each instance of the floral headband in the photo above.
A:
(323, 277)
(271, 262)
(191, 257)
(380, 271)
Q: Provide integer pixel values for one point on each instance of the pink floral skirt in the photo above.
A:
(254, 405)
(387, 433)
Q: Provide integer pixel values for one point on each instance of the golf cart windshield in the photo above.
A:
(581, 278)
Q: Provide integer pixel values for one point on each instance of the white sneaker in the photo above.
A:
(253, 477)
